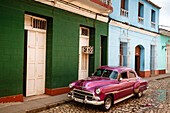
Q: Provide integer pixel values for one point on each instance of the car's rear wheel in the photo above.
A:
(107, 103)
(140, 94)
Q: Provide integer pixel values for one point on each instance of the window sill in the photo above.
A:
(153, 25)
(140, 20)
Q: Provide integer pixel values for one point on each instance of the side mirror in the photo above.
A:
(120, 79)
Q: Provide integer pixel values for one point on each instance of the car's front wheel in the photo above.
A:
(107, 103)
(140, 94)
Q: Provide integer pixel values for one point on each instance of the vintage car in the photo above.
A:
(108, 85)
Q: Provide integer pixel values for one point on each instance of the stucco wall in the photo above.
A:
(163, 40)
(62, 54)
(134, 39)
(132, 19)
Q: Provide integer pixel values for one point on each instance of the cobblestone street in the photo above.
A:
(154, 100)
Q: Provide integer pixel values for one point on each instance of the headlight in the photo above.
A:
(98, 91)
(71, 85)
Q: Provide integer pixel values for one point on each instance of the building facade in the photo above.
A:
(133, 36)
(46, 44)
(164, 51)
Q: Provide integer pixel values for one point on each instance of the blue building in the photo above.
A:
(133, 36)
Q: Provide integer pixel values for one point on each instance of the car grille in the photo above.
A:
(81, 94)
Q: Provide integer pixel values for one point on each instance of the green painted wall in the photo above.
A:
(163, 40)
(11, 50)
(62, 44)
(66, 45)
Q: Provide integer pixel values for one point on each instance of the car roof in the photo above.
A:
(117, 68)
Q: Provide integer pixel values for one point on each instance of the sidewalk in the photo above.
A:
(158, 77)
(34, 105)
(45, 103)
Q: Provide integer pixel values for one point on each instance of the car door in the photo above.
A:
(125, 88)
(132, 79)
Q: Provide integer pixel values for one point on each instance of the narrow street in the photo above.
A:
(155, 100)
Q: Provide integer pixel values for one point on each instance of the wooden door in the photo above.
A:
(137, 60)
(168, 58)
(83, 58)
(36, 49)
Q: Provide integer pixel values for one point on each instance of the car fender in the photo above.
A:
(136, 87)
(109, 89)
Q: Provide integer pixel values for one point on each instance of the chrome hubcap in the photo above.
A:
(108, 103)
(140, 94)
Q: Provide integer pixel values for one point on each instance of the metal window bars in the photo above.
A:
(108, 2)
(153, 60)
(140, 20)
(124, 12)
(124, 57)
(153, 24)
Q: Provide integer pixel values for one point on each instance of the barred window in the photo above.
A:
(123, 61)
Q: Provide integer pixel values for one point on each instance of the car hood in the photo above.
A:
(93, 82)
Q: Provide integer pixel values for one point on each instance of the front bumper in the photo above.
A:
(94, 102)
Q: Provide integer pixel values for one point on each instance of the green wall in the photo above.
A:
(11, 50)
(66, 45)
(62, 44)
(163, 40)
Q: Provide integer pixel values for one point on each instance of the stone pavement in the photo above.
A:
(46, 102)
(154, 100)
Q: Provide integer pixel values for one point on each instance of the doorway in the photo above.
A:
(103, 50)
(153, 60)
(168, 58)
(83, 57)
(137, 59)
(123, 57)
(25, 62)
(34, 56)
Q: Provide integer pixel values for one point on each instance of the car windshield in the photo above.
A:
(99, 72)
(106, 73)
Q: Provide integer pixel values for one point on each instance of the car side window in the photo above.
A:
(123, 75)
(113, 75)
(131, 74)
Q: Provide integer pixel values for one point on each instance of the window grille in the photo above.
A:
(108, 2)
(153, 24)
(39, 24)
(124, 12)
(153, 60)
(87, 49)
(124, 8)
(140, 20)
(124, 56)
(84, 32)
(35, 22)
(141, 12)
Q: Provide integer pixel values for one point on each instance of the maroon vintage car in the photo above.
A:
(108, 85)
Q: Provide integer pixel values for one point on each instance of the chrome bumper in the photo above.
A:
(94, 102)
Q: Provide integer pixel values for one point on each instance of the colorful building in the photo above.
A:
(46, 44)
(164, 51)
(133, 36)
